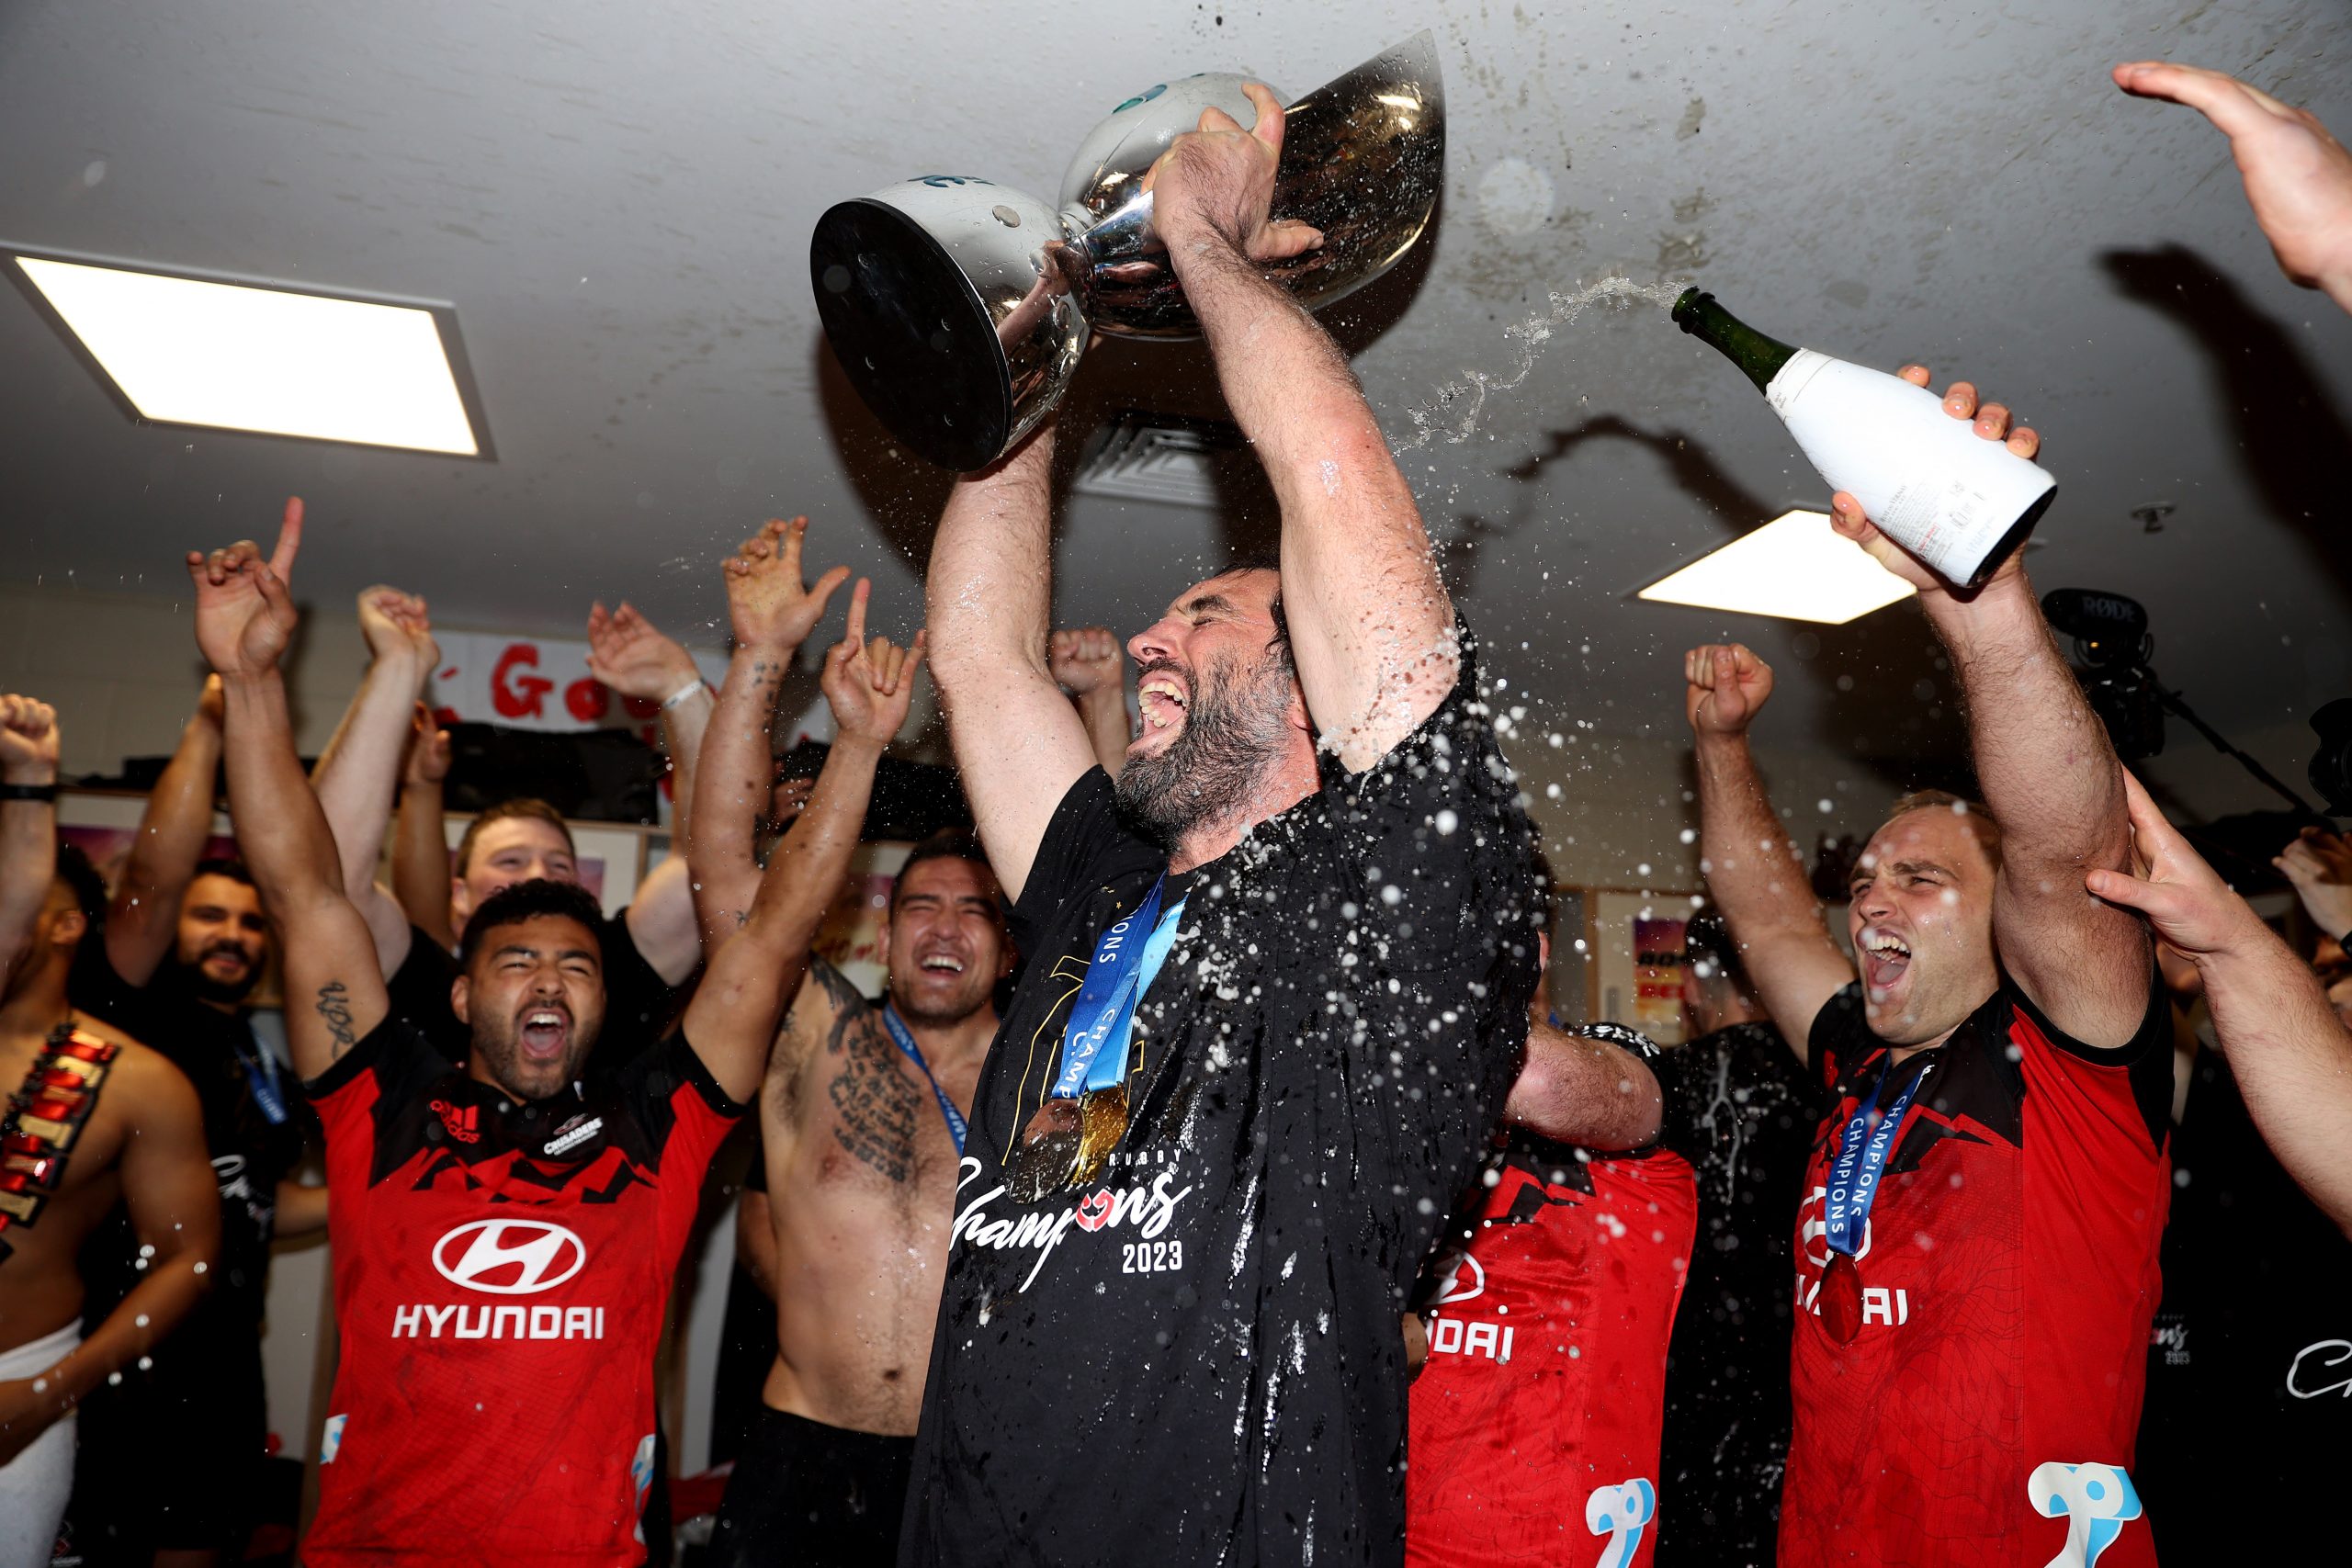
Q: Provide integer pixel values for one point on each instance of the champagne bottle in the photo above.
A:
(1955, 501)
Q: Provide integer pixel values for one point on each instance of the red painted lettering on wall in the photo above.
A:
(519, 696)
(587, 699)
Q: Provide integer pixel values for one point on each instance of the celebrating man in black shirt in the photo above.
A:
(1273, 996)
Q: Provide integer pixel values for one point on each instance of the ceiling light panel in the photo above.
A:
(226, 355)
(1795, 567)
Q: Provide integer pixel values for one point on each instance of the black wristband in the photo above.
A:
(47, 793)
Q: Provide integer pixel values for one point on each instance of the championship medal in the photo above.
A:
(1103, 1121)
(1042, 1160)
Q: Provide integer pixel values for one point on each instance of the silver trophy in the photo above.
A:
(959, 308)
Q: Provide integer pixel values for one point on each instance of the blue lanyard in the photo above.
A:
(1862, 1153)
(905, 1042)
(1122, 970)
(261, 1074)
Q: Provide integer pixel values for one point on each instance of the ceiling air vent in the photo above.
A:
(1148, 457)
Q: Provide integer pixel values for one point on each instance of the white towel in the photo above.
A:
(36, 1484)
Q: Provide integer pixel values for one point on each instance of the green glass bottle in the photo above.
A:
(1759, 357)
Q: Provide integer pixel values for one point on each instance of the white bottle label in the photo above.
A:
(1928, 481)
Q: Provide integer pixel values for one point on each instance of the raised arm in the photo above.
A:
(2292, 1058)
(420, 845)
(2319, 864)
(173, 1205)
(2297, 177)
(1371, 626)
(356, 780)
(629, 655)
(143, 919)
(1752, 868)
(2050, 777)
(29, 753)
(1018, 743)
(1091, 669)
(1580, 1090)
(771, 613)
(245, 617)
(755, 971)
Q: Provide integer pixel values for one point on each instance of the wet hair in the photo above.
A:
(229, 866)
(948, 843)
(1268, 559)
(74, 870)
(1707, 939)
(527, 901)
(1987, 830)
(507, 811)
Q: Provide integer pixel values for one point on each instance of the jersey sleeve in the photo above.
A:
(638, 995)
(1441, 847)
(390, 1066)
(2141, 1069)
(418, 992)
(1840, 1035)
(1085, 828)
(683, 1111)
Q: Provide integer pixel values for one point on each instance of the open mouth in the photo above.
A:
(544, 1033)
(1162, 702)
(1885, 957)
(940, 964)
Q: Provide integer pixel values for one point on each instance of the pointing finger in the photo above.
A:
(289, 539)
(854, 636)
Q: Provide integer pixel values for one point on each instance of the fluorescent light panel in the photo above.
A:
(248, 357)
(1795, 567)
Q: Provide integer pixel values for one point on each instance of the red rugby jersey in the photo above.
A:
(501, 1275)
(1535, 1421)
(2009, 1277)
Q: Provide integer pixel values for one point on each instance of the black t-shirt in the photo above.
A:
(1196, 1357)
(1745, 1117)
(2251, 1356)
(637, 1002)
(250, 1152)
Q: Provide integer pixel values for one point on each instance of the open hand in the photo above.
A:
(28, 741)
(397, 626)
(244, 605)
(2320, 866)
(2183, 897)
(2297, 177)
(627, 654)
(767, 605)
(869, 686)
(1215, 185)
(1992, 422)
(1085, 660)
(1728, 685)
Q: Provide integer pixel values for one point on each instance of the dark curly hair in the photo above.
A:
(74, 870)
(528, 900)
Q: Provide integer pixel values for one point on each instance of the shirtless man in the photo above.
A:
(861, 1117)
(115, 1122)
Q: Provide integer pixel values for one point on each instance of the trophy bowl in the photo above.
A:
(959, 308)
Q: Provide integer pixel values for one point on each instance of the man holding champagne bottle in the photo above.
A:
(1977, 1243)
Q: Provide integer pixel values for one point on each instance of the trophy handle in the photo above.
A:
(1363, 161)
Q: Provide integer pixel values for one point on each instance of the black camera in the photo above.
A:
(2331, 769)
(2111, 635)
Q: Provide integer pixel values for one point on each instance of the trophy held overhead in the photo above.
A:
(959, 308)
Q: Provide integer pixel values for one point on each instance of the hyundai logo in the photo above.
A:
(509, 1257)
(1465, 1277)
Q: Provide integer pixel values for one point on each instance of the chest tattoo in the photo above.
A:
(875, 1108)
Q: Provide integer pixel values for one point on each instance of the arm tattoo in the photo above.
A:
(334, 1007)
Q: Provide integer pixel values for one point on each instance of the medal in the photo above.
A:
(1854, 1176)
(1102, 1123)
(1841, 1299)
(1070, 1137)
(1048, 1147)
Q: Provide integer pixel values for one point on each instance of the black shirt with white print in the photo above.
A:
(1195, 1357)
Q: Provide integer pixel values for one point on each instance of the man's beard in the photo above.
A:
(1233, 732)
(224, 993)
(502, 1053)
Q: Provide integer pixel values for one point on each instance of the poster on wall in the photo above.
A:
(1638, 961)
(536, 683)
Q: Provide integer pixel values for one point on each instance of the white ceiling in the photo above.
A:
(617, 198)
